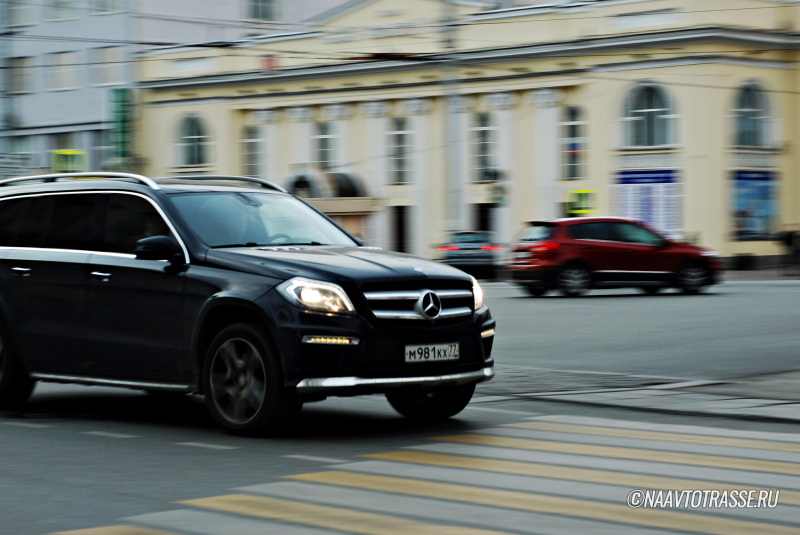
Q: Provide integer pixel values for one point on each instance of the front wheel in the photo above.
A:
(15, 384)
(431, 406)
(243, 383)
(692, 278)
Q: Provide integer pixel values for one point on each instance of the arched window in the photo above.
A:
(573, 142)
(648, 118)
(751, 117)
(193, 142)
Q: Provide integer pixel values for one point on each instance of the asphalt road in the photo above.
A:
(733, 330)
(77, 458)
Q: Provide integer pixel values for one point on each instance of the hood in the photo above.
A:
(332, 263)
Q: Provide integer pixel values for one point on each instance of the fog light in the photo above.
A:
(487, 333)
(331, 340)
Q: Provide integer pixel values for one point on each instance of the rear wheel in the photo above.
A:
(535, 291)
(574, 280)
(692, 278)
(243, 383)
(433, 405)
(15, 384)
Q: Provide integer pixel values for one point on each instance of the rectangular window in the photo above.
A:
(484, 148)
(252, 152)
(324, 146)
(62, 71)
(62, 9)
(23, 147)
(573, 144)
(20, 79)
(101, 150)
(262, 10)
(107, 6)
(20, 12)
(400, 238)
(107, 65)
(400, 140)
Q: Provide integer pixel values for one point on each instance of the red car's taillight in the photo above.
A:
(544, 248)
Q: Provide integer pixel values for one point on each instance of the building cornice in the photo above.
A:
(563, 49)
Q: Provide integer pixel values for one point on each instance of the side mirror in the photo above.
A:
(160, 248)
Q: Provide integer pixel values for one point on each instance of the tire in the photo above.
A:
(433, 405)
(692, 277)
(15, 384)
(651, 290)
(243, 383)
(535, 291)
(574, 280)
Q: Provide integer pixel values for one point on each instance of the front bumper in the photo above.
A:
(357, 385)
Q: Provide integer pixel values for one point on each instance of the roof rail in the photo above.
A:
(71, 176)
(262, 183)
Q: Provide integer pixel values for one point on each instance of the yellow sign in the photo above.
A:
(68, 161)
(582, 202)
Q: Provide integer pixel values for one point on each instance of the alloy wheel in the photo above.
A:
(574, 281)
(692, 278)
(238, 381)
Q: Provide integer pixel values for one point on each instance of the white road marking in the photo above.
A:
(206, 446)
(687, 429)
(327, 460)
(27, 425)
(107, 434)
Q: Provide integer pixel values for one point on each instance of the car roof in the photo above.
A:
(579, 220)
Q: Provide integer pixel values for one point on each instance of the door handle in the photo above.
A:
(22, 271)
(103, 277)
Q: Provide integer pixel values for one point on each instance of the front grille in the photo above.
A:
(403, 305)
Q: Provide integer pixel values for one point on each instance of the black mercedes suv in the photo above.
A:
(227, 287)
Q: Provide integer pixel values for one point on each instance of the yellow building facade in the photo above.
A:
(408, 119)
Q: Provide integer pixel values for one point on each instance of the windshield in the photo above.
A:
(472, 237)
(239, 219)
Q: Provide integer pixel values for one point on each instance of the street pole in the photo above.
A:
(450, 86)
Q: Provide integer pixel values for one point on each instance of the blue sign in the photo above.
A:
(754, 206)
(651, 196)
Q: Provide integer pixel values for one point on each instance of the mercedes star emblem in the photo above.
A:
(429, 305)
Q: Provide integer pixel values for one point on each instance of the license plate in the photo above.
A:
(432, 352)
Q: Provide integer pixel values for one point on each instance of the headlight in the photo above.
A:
(317, 296)
(709, 253)
(477, 292)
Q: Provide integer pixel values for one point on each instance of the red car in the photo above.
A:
(576, 255)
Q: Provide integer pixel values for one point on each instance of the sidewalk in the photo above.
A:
(779, 274)
(772, 397)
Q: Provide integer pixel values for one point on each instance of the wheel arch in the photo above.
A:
(222, 312)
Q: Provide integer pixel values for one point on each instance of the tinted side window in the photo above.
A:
(74, 222)
(592, 231)
(10, 212)
(635, 234)
(32, 217)
(129, 219)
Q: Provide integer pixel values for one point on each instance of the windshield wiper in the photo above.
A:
(315, 243)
